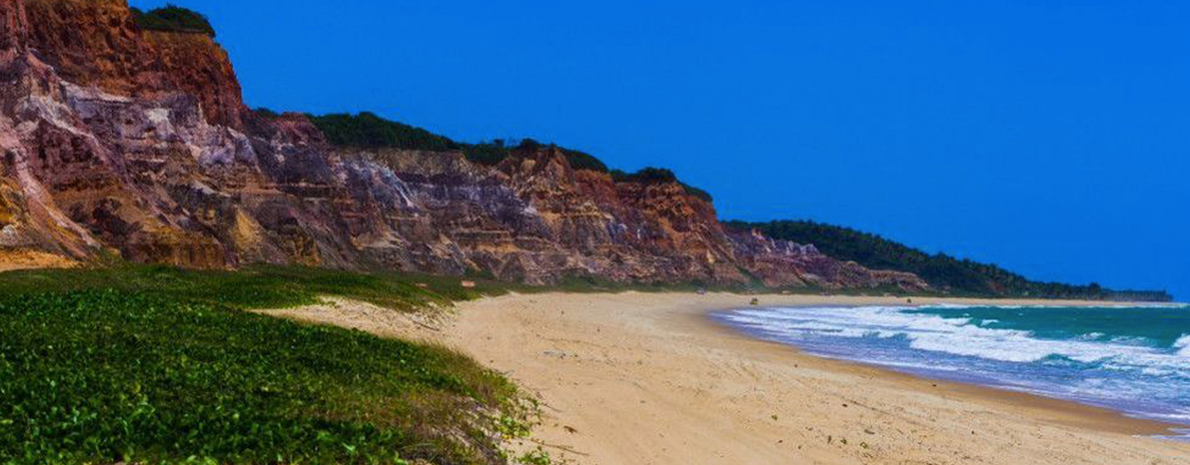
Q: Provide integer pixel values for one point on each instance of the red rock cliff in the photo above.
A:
(121, 140)
(13, 26)
(96, 43)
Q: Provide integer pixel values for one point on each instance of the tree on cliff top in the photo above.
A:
(173, 18)
(369, 131)
(646, 175)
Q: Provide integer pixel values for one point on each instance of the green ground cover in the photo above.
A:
(146, 364)
(255, 287)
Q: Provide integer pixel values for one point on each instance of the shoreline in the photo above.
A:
(1071, 412)
(635, 378)
(1068, 411)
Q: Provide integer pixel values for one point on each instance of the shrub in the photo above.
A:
(583, 161)
(486, 153)
(528, 144)
(267, 113)
(647, 175)
(698, 193)
(491, 153)
(369, 131)
(659, 175)
(171, 18)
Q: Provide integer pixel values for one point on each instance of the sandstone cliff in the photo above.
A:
(118, 140)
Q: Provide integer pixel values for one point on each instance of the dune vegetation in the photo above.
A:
(150, 364)
(172, 18)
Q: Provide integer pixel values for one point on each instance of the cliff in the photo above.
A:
(122, 141)
(96, 43)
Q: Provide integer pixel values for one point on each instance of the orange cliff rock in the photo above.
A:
(135, 142)
(96, 43)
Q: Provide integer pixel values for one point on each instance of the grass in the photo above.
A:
(146, 364)
(256, 287)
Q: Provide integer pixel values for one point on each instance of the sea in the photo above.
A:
(1132, 359)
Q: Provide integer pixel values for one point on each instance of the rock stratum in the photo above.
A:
(117, 140)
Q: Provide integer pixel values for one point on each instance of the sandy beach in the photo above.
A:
(644, 378)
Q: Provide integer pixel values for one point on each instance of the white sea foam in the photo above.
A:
(1133, 374)
(1183, 345)
(958, 336)
(1182, 416)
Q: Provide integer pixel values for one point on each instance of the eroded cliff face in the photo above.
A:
(95, 43)
(117, 140)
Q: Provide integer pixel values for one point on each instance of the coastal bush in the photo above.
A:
(255, 287)
(369, 131)
(172, 18)
(583, 161)
(645, 175)
(698, 193)
(103, 376)
(659, 175)
(492, 153)
(267, 113)
(486, 153)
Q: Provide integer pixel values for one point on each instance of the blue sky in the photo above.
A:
(1050, 137)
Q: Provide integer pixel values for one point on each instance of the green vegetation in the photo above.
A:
(950, 274)
(255, 287)
(698, 193)
(659, 175)
(368, 131)
(266, 113)
(536, 457)
(645, 175)
(583, 161)
(149, 364)
(171, 18)
(487, 153)
(492, 153)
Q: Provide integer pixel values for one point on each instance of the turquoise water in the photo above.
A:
(1133, 359)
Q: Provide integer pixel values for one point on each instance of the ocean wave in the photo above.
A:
(1133, 341)
(1182, 345)
(1182, 416)
(964, 336)
(1141, 376)
(1096, 336)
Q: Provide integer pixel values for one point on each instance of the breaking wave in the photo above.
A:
(1183, 345)
(1123, 358)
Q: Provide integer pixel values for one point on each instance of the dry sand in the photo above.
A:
(642, 378)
